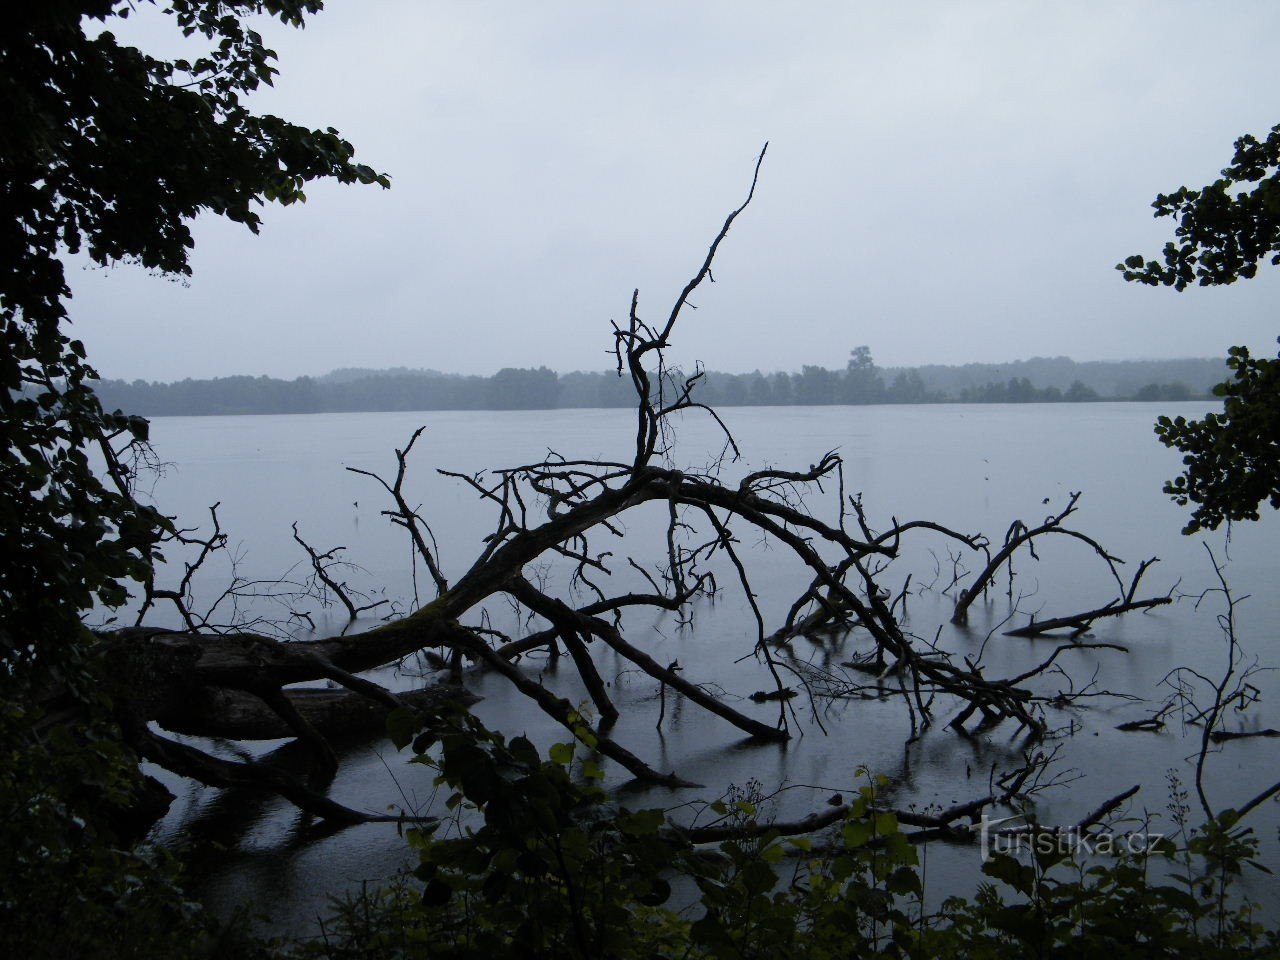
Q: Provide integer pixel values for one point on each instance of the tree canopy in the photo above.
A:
(1232, 458)
(1225, 230)
(108, 152)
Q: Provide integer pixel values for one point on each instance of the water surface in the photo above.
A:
(974, 468)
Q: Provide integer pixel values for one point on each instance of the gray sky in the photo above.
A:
(945, 182)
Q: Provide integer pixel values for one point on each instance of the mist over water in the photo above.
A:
(972, 468)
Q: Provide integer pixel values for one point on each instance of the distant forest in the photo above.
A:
(860, 381)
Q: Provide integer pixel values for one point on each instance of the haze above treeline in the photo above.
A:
(948, 182)
(860, 381)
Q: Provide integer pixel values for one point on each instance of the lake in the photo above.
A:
(971, 467)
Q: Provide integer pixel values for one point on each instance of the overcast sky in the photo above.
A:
(945, 182)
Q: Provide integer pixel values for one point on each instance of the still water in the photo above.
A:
(973, 468)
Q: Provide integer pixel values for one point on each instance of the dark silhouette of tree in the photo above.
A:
(1233, 457)
(815, 386)
(862, 382)
(733, 391)
(1020, 390)
(1163, 391)
(907, 387)
(1225, 230)
(759, 392)
(108, 151)
(1014, 390)
(512, 389)
(111, 151)
(1078, 392)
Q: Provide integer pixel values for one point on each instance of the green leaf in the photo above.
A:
(886, 823)
(1006, 868)
(857, 833)
(642, 822)
(402, 724)
(658, 893)
(561, 753)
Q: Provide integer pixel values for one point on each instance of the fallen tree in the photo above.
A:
(1078, 623)
(241, 683)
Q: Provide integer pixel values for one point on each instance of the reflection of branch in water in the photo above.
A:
(550, 517)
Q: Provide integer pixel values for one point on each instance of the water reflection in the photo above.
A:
(975, 468)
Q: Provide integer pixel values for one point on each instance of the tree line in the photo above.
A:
(1040, 380)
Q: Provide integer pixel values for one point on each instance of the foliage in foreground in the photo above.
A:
(1232, 458)
(109, 151)
(1225, 230)
(69, 887)
(542, 864)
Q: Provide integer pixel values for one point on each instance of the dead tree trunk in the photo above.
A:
(240, 684)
